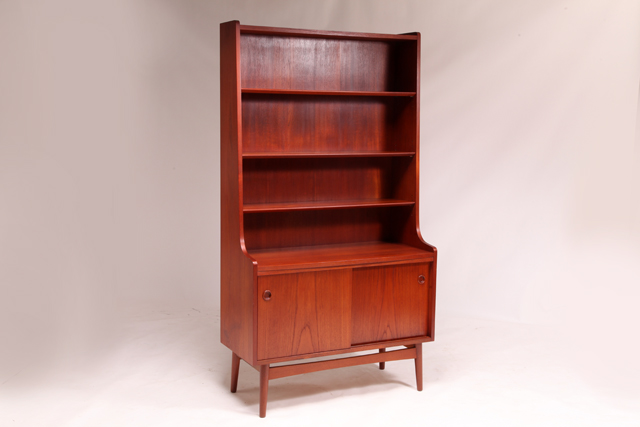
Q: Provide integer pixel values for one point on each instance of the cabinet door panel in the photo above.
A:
(389, 302)
(306, 313)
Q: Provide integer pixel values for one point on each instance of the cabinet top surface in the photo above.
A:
(296, 32)
(341, 255)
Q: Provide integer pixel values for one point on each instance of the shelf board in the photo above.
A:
(310, 154)
(330, 256)
(337, 204)
(326, 92)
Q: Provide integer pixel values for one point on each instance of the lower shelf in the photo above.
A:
(338, 204)
(271, 261)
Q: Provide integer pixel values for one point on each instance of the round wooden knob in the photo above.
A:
(421, 279)
(266, 295)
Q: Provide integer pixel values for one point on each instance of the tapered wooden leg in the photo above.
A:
(382, 350)
(419, 366)
(264, 389)
(235, 368)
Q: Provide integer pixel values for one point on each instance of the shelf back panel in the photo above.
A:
(324, 179)
(293, 123)
(326, 227)
(303, 63)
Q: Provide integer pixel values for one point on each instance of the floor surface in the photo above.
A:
(168, 368)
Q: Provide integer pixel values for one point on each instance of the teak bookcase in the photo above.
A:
(321, 249)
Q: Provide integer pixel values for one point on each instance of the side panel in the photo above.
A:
(306, 313)
(237, 271)
(389, 302)
(411, 234)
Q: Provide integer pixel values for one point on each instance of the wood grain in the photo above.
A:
(333, 256)
(307, 313)
(237, 270)
(329, 123)
(326, 64)
(389, 303)
(272, 230)
(328, 204)
(283, 180)
(325, 92)
(320, 200)
(325, 154)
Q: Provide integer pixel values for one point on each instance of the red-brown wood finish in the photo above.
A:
(321, 251)
(235, 370)
(418, 363)
(264, 389)
(305, 368)
(354, 348)
(237, 272)
(280, 123)
(389, 302)
(271, 261)
(326, 92)
(326, 154)
(297, 180)
(327, 64)
(289, 229)
(307, 313)
(324, 204)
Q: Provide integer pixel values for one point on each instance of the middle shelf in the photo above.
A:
(265, 91)
(315, 183)
(323, 154)
(314, 205)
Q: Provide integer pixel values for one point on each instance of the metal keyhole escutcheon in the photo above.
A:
(266, 295)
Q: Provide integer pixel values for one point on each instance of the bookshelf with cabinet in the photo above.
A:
(321, 252)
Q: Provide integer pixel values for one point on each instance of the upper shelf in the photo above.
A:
(318, 154)
(326, 92)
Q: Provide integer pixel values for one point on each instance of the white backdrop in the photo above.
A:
(109, 158)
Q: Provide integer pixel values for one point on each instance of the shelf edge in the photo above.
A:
(337, 154)
(247, 208)
(260, 91)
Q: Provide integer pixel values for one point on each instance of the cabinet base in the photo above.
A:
(271, 373)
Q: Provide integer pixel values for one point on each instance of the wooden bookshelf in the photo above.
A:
(321, 252)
